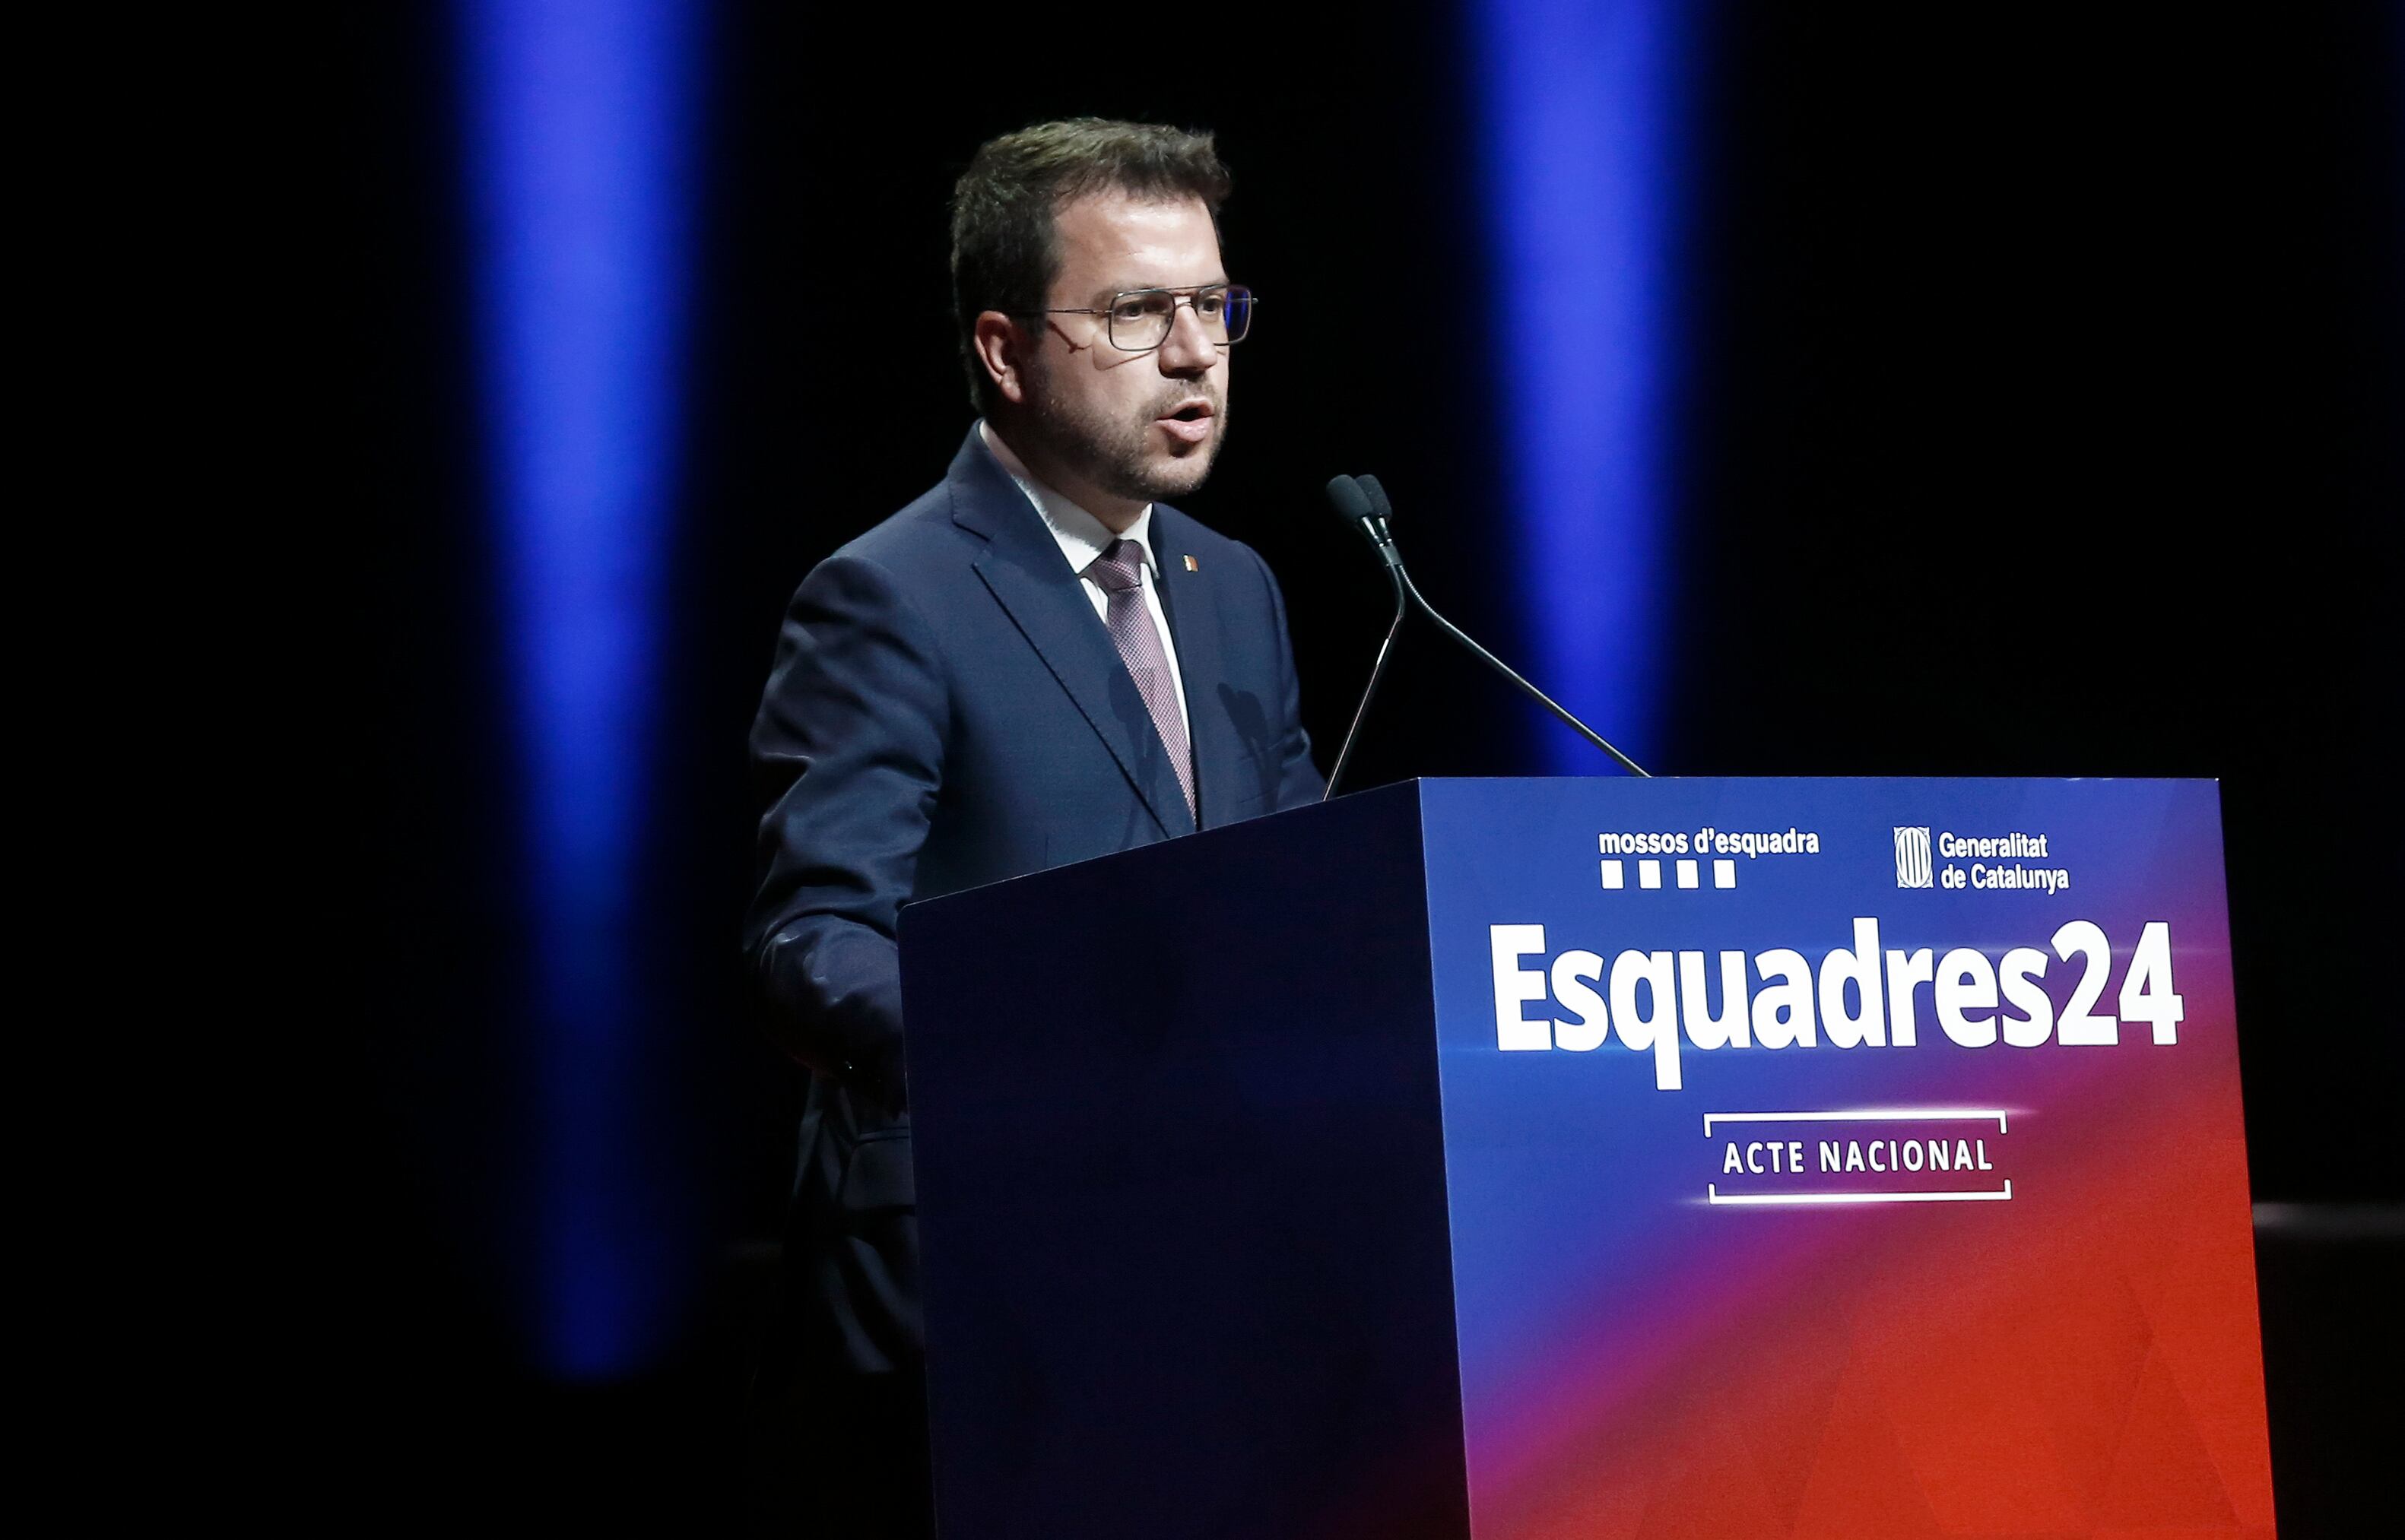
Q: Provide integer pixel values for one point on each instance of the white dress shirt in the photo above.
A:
(1083, 539)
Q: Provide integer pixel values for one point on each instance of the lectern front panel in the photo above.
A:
(1845, 1158)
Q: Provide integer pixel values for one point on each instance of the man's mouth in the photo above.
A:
(1188, 422)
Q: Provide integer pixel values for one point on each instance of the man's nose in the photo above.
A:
(1188, 348)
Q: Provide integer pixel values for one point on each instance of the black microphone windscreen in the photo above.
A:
(1377, 494)
(1352, 504)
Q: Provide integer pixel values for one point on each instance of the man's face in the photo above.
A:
(1135, 425)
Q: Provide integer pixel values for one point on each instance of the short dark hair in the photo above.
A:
(1005, 228)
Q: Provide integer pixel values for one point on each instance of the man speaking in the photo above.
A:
(1037, 662)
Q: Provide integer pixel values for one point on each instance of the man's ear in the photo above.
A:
(1002, 346)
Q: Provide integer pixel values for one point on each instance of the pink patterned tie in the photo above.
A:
(1121, 571)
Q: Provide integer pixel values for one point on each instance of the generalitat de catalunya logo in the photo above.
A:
(1912, 866)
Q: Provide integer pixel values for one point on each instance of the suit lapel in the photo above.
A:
(1194, 625)
(1023, 569)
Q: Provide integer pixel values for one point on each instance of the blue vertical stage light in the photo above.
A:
(577, 136)
(1581, 113)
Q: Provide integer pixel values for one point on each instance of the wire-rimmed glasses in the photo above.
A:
(1140, 319)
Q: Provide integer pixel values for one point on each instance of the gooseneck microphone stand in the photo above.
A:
(1377, 671)
(1361, 502)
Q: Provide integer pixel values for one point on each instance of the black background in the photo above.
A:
(2039, 387)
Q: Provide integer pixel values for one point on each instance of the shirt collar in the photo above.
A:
(1081, 536)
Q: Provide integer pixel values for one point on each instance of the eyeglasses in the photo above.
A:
(1140, 319)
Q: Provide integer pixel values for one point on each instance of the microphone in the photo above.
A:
(1362, 503)
(1355, 506)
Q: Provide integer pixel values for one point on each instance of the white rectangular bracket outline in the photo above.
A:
(1881, 1114)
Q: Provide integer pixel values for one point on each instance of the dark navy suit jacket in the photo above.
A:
(947, 710)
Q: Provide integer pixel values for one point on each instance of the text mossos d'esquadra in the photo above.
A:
(1856, 997)
(1710, 841)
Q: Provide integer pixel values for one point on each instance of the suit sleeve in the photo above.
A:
(849, 752)
(1299, 782)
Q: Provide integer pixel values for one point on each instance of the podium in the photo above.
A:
(1612, 1157)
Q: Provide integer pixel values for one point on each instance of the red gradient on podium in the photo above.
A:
(2039, 1368)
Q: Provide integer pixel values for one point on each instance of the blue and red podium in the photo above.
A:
(1522, 1158)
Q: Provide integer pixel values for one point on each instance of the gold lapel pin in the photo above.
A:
(1190, 566)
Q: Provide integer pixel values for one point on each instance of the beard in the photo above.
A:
(1117, 453)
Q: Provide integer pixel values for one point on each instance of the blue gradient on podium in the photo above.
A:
(1583, 120)
(576, 147)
